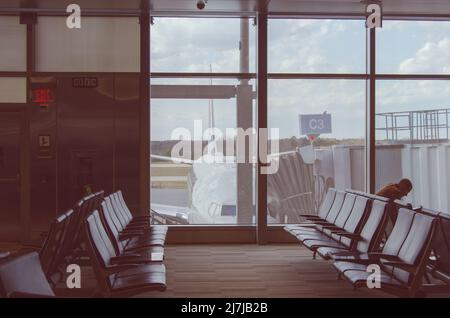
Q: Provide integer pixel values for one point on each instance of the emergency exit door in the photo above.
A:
(10, 134)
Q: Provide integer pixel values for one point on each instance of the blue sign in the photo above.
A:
(315, 124)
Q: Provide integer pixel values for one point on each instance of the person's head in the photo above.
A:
(405, 186)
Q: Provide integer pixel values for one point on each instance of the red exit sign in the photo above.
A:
(43, 96)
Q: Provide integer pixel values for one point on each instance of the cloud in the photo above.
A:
(192, 45)
(432, 58)
(316, 46)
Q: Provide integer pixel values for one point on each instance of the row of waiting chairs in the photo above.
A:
(37, 272)
(103, 231)
(350, 228)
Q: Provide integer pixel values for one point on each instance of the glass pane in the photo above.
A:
(321, 126)
(12, 45)
(101, 45)
(203, 185)
(201, 44)
(413, 139)
(13, 90)
(413, 47)
(316, 46)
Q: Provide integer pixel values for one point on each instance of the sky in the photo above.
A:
(294, 45)
(320, 46)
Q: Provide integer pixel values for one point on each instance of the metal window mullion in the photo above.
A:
(262, 124)
(370, 149)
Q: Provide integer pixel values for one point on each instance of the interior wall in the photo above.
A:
(93, 133)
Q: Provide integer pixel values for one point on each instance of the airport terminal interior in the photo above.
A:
(225, 148)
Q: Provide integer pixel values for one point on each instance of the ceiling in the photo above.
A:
(230, 7)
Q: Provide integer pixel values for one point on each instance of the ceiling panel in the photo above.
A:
(301, 7)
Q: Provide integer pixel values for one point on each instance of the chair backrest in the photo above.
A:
(64, 249)
(369, 195)
(52, 244)
(100, 249)
(327, 203)
(77, 224)
(110, 225)
(116, 215)
(91, 202)
(441, 240)
(126, 211)
(99, 240)
(355, 219)
(372, 231)
(24, 274)
(118, 210)
(83, 211)
(336, 207)
(399, 232)
(346, 210)
(415, 248)
(441, 243)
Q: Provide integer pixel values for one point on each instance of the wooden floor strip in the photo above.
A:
(285, 270)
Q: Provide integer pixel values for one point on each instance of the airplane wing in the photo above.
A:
(173, 159)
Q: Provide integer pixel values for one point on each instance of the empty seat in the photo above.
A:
(346, 231)
(402, 268)
(439, 264)
(81, 210)
(49, 253)
(23, 277)
(129, 221)
(314, 226)
(324, 209)
(131, 243)
(337, 222)
(391, 247)
(142, 230)
(124, 279)
(367, 241)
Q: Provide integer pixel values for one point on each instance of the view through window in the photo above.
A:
(195, 178)
(321, 122)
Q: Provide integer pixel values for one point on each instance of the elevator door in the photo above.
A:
(9, 175)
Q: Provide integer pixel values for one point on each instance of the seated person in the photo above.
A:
(396, 191)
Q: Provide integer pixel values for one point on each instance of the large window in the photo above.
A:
(413, 130)
(195, 176)
(413, 114)
(320, 122)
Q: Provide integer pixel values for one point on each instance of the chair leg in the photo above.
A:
(314, 255)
